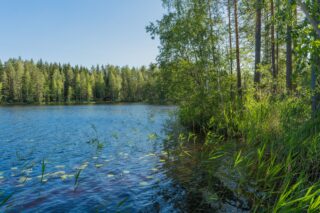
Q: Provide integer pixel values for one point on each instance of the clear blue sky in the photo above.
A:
(84, 32)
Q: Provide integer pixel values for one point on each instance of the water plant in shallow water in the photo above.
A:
(122, 202)
(76, 178)
(6, 199)
(152, 136)
(96, 139)
(43, 168)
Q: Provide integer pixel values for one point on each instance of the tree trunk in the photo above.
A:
(230, 37)
(230, 49)
(273, 59)
(257, 74)
(237, 48)
(289, 49)
(315, 66)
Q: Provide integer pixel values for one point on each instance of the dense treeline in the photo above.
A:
(28, 82)
(249, 70)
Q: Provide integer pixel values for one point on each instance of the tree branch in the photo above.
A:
(313, 22)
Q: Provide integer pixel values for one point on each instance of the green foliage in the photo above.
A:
(29, 82)
(277, 151)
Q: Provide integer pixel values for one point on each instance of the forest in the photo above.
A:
(27, 82)
(246, 73)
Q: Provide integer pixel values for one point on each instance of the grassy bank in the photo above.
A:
(270, 149)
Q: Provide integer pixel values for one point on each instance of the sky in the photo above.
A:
(83, 32)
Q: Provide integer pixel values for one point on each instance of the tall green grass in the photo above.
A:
(277, 154)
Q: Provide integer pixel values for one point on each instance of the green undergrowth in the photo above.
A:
(276, 158)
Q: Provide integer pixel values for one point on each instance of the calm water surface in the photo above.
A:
(117, 148)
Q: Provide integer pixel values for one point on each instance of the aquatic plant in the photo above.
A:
(6, 199)
(76, 178)
(43, 168)
(122, 202)
(95, 139)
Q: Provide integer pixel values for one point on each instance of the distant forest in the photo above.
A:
(26, 81)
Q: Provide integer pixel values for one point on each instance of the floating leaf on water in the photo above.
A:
(24, 179)
(164, 152)
(58, 174)
(126, 172)
(64, 177)
(83, 166)
(144, 183)
(150, 177)
(14, 168)
(110, 175)
(98, 165)
(95, 157)
(60, 166)
(150, 154)
(107, 160)
(152, 136)
(162, 160)
(27, 171)
(154, 169)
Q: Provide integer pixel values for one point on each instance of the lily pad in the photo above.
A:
(98, 165)
(144, 183)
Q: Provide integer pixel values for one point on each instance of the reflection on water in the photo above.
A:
(84, 158)
(107, 158)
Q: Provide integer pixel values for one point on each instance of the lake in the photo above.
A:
(85, 158)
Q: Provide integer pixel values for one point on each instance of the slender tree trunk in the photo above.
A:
(315, 66)
(314, 74)
(237, 48)
(289, 49)
(277, 38)
(230, 37)
(267, 46)
(230, 49)
(257, 74)
(273, 59)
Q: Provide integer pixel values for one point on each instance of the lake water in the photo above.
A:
(85, 158)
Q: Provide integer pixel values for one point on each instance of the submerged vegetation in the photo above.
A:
(263, 101)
